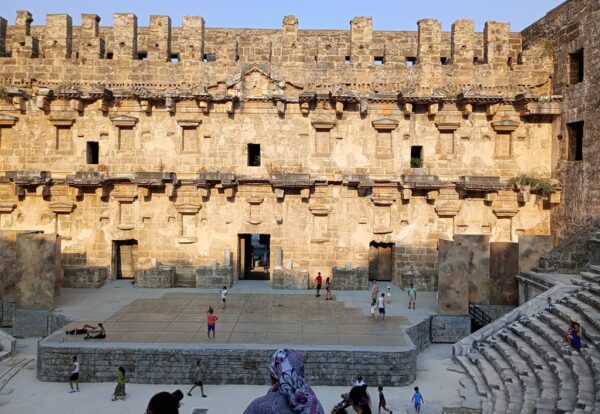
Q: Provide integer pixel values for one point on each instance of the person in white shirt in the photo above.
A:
(381, 306)
(74, 378)
(389, 294)
(224, 296)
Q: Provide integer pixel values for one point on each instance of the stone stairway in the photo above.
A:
(522, 364)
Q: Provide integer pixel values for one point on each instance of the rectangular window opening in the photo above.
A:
(411, 61)
(444, 60)
(142, 55)
(253, 155)
(209, 57)
(109, 55)
(347, 60)
(576, 67)
(475, 59)
(575, 133)
(416, 156)
(174, 58)
(378, 60)
(509, 62)
(92, 152)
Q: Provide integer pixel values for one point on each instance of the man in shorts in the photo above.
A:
(211, 321)
(198, 379)
(319, 281)
(74, 377)
(381, 306)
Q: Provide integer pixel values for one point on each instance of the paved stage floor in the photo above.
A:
(250, 318)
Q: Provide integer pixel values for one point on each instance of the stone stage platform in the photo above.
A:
(158, 340)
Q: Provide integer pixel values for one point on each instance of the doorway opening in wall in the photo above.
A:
(254, 256)
(416, 156)
(381, 261)
(124, 258)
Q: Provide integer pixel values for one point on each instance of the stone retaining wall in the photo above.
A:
(84, 277)
(449, 328)
(174, 363)
(290, 279)
(214, 276)
(420, 334)
(156, 277)
(350, 279)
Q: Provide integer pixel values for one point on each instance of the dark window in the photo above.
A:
(576, 67)
(378, 60)
(575, 132)
(416, 156)
(143, 55)
(174, 58)
(347, 60)
(92, 149)
(410, 61)
(509, 62)
(444, 60)
(475, 59)
(254, 155)
(209, 57)
(109, 55)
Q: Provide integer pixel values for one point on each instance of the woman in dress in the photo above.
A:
(289, 393)
(120, 388)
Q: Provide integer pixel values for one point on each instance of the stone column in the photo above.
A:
(124, 36)
(159, 39)
(192, 39)
(58, 36)
(278, 257)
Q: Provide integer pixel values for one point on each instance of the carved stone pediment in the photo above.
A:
(188, 208)
(505, 125)
(447, 209)
(385, 124)
(7, 207)
(61, 207)
(323, 124)
(126, 121)
(8, 120)
(383, 200)
(320, 209)
(256, 82)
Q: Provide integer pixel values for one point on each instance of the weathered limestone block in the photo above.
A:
(58, 36)
(428, 51)
(496, 44)
(192, 39)
(504, 267)
(350, 279)
(462, 42)
(161, 276)
(38, 266)
(290, 279)
(3, 26)
(531, 250)
(24, 45)
(84, 276)
(449, 329)
(159, 46)
(478, 271)
(214, 276)
(361, 38)
(124, 36)
(90, 44)
(453, 284)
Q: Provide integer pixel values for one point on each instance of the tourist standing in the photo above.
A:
(224, 296)
(120, 388)
(412, 296)
(319, 281)
(381, 306)
(373, 308)
(328, 289)
(375, 290)
(382, 401)
(198, 379)
(388, 295)
(417, 400)
(211, 321)
(74, 377)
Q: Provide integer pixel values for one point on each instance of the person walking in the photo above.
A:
(388, 295)
(412, 296)
(120, 388)
(373, 308)
(417, 400)
(198, 379)
(328, 289)
(74, 377)
(381, 306)
(382, 401)
(319, 281)
(211, 321)
(224, 296)
(375, 290)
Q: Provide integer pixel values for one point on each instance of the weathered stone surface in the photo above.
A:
(478, 254)
(449, 329)
(350, 279)
(531, 249)
(289, 279)
(160, 276)
(453, 287)
(504, 267)
(214, 276)
(84, 276)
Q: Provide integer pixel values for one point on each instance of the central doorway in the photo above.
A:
(124, 258)
(253, 256)
(381, 261)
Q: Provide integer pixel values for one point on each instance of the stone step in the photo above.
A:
(567, 389)
(594, 268)
(590, 277)
(589, 299)
(475, 375)
(511, 381)
(566, 314)
(523, 373)
(583, 309)
(495, 385)
(531, 363)
(578, 366)
(469, 395)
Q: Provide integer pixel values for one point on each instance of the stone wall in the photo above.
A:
(420, 334)
(157, 277)
(174, 364)
(214, 276)
(350, 279)
(571, 255)
(289, 279)
(148, 137)
(449, 329)
(567, 29)
(84, 276)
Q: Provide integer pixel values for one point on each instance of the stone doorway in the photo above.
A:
(124, 258)
(381, 260)
(253, 256)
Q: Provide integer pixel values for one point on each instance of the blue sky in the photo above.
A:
(312, 14)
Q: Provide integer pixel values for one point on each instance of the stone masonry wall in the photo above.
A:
(289, 279)
(569, 28)
(174, 364)
(350, 279)
(157, 277)
(147, 135)
(84, 276)
(214, 276)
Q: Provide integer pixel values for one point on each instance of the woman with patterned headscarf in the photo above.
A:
(289, 394)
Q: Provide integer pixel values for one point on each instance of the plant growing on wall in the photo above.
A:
(416, 162)
(541, 186)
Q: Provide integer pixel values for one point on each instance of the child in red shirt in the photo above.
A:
(211, 320)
